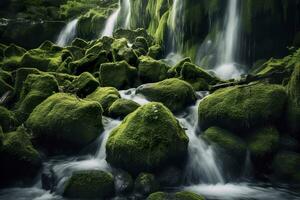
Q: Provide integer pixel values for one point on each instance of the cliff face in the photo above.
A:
(262, 23)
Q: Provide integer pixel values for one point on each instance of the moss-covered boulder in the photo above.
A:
(184, 195)
(7, 119)
(19, 160)
(122, 107)
(175, 71)
(146, 184)
(293, 110)
(226, 140)
(84, 84)
(122, 52)
(173, 93)
(36, 88)
(286, 166)
(106, 96)
(240, 108)
(131, 35)
(13, 50)
(155, 51)
(119, 75)
(151, 70)
(140, 45)
(64, 121)
(93, 184)
(149, 138)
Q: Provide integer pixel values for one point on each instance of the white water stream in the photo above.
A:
(68, 33)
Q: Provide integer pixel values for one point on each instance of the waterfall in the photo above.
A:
(68, 33)
(124, 9)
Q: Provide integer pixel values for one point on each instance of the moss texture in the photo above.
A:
(146, 184)
(173, 93)
(122, 107)
(148, 139)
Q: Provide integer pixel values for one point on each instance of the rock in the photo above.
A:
(155, 51)
(149, 138)
(92, 184)
(122, 107)
(229, 142)
(19, 160)
(84, 84)
(131, 35)
(140, 45)
(80, 43)
(146, 184)
(7, 119)
(119, 75)
(151, 70)
(173, 93)
(36, 88)
(13, 50)
(65, 122)
(106, 96)
(241, 108)
(48, 178)
(121, 52)
(185, 195)
(123, 183)
(170, 177)
(5, 87)
(160, 196)
(293, 109)
(286, 166)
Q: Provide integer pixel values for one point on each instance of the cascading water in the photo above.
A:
(226, 68)
(124, 9)
(68, 33)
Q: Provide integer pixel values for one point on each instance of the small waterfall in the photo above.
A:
(202, 166)
(127, 11)
(68, 33)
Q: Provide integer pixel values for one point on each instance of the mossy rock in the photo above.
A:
(93, 184)
(119, 75)
(244, 107)
(293, 109)
(175, 71)
(122, 107)
(174, 93)
(6, 76)
(140, 45)
(106, 96)
(131, 35)
(13, 50)
(84, 84)
(36, 88)
(80, 43)
(149, 138)
(184, 195)
(65, 122)
(151, 70)
(7, 119)
(146, 184)
(226, 140)
(122, 52)
(155, 51)
(19, 160)
(286, 166)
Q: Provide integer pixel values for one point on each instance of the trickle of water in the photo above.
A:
(68, 33)
(127, 10)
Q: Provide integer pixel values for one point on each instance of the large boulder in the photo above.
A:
(106, 96)
(36, 88)
(240, 108)
(151, 70)
(173, 93)
(293, 110)
(63, 121)
(122, 52)
(149, 138)
(19, 160)
(119, 75)
(122, 107)
(84, 84)
(93, 184)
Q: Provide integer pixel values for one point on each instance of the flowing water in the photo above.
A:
(68, 33)
(127, 12)
(111, 22)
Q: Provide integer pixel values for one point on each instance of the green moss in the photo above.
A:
(225, 140)
(146, 184)
(176, 70)
(13, 50)
(173, 93)
(286, 166)
(122, 107)
(293, 110)
(93, 184)
(106, 96)
(151, 70)
(264, 141)
(155, 51)
(36, 88)
(161, 32)
(119, 75)
(18, 157)
(244, 107)
(80, 43)
(122, 52)
(149, 138)
(140, 45)
(7, 119)
(188, 196)
(63, 120)
(84, 84)
(131, 35)
(158, 196)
